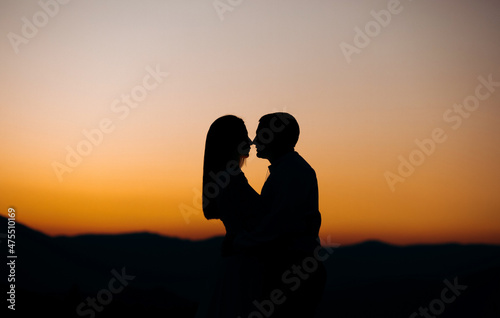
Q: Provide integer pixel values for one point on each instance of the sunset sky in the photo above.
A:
(132, 87)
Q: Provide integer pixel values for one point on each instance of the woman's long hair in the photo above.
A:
(223, 147)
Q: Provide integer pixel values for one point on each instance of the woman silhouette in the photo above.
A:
(228, 196)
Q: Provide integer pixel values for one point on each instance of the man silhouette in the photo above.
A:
(287, 234)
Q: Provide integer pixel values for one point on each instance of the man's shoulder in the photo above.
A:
(295, 166)
(301, 164)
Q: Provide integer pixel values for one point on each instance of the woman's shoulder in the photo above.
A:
(244, 185)
(238, 185)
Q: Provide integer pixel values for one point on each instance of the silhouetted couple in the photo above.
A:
(269, 266)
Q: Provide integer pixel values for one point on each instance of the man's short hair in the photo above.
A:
(285, 128)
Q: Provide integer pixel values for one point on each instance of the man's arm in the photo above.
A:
(284, 213)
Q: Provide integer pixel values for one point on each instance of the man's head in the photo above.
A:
(276, 135)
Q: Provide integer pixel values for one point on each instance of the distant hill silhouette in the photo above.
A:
(371, 279)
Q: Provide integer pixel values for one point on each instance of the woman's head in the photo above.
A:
(227, 145)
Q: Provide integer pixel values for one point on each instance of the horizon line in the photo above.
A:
(371, 240)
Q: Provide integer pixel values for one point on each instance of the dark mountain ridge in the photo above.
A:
(363, 279)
